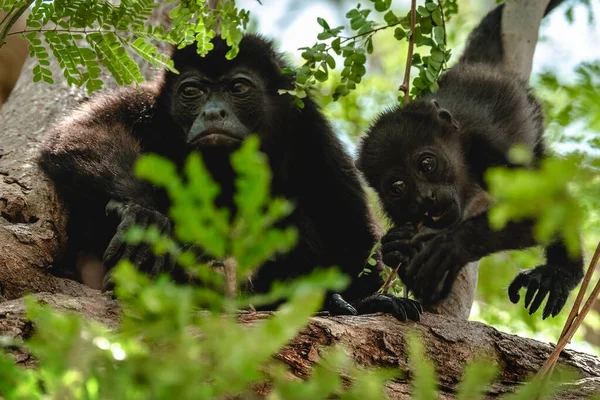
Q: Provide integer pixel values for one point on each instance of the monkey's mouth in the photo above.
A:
(441, 216)
(215, 137)
(437, 217)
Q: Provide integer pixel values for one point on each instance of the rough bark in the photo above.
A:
(371, 341)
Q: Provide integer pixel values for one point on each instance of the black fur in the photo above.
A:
(427, 161)
(212, 105)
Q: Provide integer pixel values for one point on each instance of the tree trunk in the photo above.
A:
(371, 341)
(521, 21)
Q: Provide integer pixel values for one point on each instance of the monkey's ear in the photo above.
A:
(444, 114)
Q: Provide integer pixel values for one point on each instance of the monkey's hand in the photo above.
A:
(140, 254)
(396, 246)
(400, 307)
(431, 272)
(547, 280)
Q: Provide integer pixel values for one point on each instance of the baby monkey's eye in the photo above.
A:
(427, 164)
(398, 188)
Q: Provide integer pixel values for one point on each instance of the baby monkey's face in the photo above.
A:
(415, 163)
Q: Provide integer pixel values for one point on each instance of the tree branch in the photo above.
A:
(371, 341)
(411, 43)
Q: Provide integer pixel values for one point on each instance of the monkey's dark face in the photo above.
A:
(218, 102)
(218, 111)
(414, 162)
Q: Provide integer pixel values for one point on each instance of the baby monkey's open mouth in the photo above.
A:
(437, 214)
(440, 216)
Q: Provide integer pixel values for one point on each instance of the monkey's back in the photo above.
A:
(492, 104)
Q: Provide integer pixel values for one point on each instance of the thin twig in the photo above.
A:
(581, 293)
(545, 374)
(576, 317)
(11, 21)
(411, 44)
(443, 20)
(345, 39)
(388, 282)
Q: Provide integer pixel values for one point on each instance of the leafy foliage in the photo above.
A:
(543, 194)
(112, 32)
(429, 32)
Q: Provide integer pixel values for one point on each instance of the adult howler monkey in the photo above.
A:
(427, 162)
(210, 107)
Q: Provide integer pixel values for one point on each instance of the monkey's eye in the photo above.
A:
(239, 87)
(398, 188)
(427, 164)
(191, 91)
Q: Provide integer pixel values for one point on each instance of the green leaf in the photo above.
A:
(320, 75)
(476, 377)
(423, 12)
(399, 33)
(323, 23)
(390, 18)
(424, 380)
(436, 16)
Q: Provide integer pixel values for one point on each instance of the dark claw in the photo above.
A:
(338, 306)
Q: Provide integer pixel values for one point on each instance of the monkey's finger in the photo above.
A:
(117, 245)
(165, 226)
(412, 308)
(107, 282)
(431, 267)
(560, 303)
(550, 304)
(387, 304)
(403, 246)
(449, 281)
(532, 288)
(394, 258)
(338, 306)
(398, 311)
(539, 298)
(113, 251)
(115, 207)
(143, 258)
(519, 282)
(401, 233)
(423, 236)
(137, 252)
